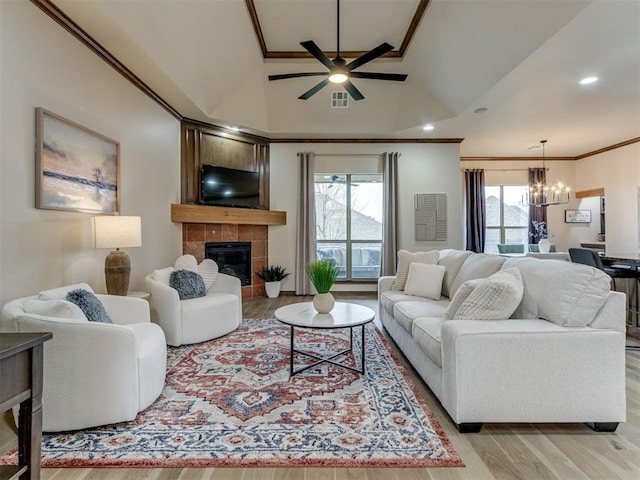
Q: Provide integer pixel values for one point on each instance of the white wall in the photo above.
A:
(422, 168)
(498, 172)
(618, 171)
(44, 66)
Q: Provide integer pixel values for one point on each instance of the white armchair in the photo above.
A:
(197, 319)
(94, 373)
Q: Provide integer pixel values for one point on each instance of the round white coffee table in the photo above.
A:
(343, 315)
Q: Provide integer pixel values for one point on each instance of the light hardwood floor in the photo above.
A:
(499, 451)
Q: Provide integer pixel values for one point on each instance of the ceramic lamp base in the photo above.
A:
(117, 270)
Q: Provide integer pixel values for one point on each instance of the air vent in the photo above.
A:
(339, 99)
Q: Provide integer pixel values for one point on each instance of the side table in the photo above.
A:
(21, 374)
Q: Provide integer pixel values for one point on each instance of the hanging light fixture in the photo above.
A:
(542, 195)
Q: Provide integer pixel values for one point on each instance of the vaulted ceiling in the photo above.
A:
(521, 60)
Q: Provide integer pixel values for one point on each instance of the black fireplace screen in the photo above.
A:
(233, 258)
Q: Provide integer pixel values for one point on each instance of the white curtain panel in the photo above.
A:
(306, 226)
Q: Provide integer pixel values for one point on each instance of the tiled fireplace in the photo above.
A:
(196, 235)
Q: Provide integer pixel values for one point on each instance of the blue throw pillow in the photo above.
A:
(188, 283)
(90, 305)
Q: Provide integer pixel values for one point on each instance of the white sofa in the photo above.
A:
(560, 357)
(94, 373)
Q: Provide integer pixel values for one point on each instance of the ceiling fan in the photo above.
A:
(341, 72)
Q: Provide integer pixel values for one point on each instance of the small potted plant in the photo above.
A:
(323, 274)
(542, 234)
(272, 276)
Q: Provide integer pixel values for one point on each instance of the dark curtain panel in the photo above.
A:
(536, 214)
(475, 208)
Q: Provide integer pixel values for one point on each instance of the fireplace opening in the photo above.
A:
(233, 258)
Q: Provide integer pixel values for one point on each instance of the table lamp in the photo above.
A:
(117, 232)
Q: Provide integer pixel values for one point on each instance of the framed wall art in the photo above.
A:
(76, 168)
(577, 216)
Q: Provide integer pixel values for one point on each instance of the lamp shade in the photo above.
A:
(117, 231)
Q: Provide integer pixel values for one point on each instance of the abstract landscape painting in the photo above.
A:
(77, 169)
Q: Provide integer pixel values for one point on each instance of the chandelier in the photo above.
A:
(542, 195)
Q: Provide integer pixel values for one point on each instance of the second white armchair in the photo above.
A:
(197, 319)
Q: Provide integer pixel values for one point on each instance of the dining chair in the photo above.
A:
(535, 248)
(510, 248)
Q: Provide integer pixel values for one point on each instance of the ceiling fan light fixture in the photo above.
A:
(338, 77)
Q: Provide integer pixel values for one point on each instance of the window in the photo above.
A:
(507, 218)
(349, 223)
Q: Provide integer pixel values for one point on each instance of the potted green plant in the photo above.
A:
(323, 274)
(272, 276)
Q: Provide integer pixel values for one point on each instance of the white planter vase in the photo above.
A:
(544, 245)
(272, 288)
(323, 302)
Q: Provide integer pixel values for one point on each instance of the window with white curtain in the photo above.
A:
(349, 222)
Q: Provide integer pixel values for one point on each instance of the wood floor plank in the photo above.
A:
(498, 451)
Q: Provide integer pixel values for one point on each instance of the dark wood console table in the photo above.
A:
(21, 375)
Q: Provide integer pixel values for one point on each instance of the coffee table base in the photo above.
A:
(330, 358)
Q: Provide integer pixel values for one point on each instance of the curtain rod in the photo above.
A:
(500, 169)
(347, 154)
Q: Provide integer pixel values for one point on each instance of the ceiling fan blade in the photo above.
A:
(353, 91)
(314, 50)
(396, 77)
(370, 55)
(313, 90)
(295, 75)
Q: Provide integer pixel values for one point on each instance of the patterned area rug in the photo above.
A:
(230, 402)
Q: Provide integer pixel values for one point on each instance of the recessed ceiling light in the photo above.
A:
(481, 110)
(428, 128)
(588, 80)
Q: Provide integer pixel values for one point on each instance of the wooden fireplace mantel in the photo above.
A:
(183, 213)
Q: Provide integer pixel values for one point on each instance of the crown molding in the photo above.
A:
(266, 53)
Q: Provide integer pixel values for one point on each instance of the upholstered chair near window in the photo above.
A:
(510, 248)
(192, 302)
(95, 372)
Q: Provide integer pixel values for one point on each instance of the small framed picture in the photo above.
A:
(76, 168)
(577, 216)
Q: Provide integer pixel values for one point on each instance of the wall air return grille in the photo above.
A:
(339, 99)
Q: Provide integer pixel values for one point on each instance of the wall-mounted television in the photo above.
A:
(230, 187)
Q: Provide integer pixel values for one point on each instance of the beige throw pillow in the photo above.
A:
(495, 298)
(461, 295)
(425, 280)
(406, 258)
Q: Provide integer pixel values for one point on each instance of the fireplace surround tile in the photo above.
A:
(216, 232)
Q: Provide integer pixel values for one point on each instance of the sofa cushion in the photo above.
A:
(189, 284)
(54, 308)
(461, 295)
(406, 258)
(90, 305)
(390, 298)
(565, 293)
(494, 298)
(452, 260)
(61, 292)
(425, 280)
(479, 265)
(207, 269)
(426, 333)
(406, 312)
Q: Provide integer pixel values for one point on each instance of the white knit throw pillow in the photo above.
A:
(495, 298)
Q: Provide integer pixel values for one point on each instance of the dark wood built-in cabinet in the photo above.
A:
(203, 144)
